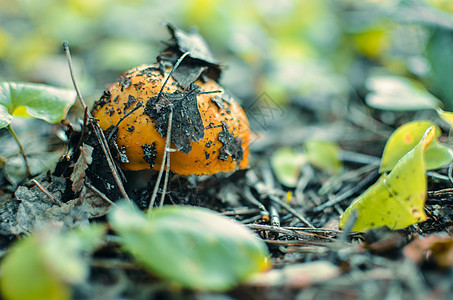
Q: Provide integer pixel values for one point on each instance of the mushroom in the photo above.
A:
(209, 132)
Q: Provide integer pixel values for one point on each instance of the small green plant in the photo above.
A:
(191, 246)
(31, 100)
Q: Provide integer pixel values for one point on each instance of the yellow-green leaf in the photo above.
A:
(447, 116)
(397, 200)
(44, 265)
(324, 155)
(286, 164)
(406, 137)
(26, 276)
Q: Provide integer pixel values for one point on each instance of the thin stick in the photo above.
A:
(291, 210)
(360, 185)
(167, 149)
(167, 141)
(99, 193)
(139, 104)
(164, 159)
(274, 215)
(21, 150)
(171, 72)
(71, 71)
(97, 129)
(46, 191)
(103, 142)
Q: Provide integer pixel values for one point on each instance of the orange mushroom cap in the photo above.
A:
(222, 147)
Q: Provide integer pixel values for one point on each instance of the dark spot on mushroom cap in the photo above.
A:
(125, 82)
(232, 146)
(131, 129)
(105, 99)
(149, 153)
(217, 100)
(131, 99)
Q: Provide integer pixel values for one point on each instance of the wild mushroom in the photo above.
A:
(210, 131)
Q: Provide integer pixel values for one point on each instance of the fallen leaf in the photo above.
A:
(78, 175)
(44, 265)
(297, 275)
(406, 137)
(398, 93)
(192, 246)
(286, 164)
(397, 199)
(324, 155)
(434, 247)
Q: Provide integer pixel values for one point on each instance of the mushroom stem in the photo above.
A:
(165, 161)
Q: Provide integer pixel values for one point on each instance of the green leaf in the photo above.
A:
(447, 116)
(406, 137)
(397, 199)
(42, 266)
(33, 100)
(398, 93)
(324, 155)
(287, 164)
(440, 56)
(194, 247)
(67, 252)
(26, 276)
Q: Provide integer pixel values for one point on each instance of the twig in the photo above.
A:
(99, 193)
(167, 144)
(46, 191)
(21, 150)
(167, 150)
(241, 211)
(359, 158)
(97, 129)
(273, 213)
(139, 104)
(290, 231)
(302, 183)
(71, 71)
(360, 185)
(291, 210)
(250, 198)
(450, 172)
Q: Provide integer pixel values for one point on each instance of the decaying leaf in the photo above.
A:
(297, 275)
(200, 60)
(36, 210)
(436, 248)
(188, 126)
(78, 175)
(397, 199)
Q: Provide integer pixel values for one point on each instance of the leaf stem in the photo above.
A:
(21, 149)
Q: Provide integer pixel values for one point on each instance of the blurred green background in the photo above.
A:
(313, 53)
